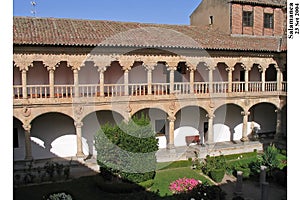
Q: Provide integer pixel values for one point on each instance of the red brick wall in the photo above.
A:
(237, 19)
(258, 20)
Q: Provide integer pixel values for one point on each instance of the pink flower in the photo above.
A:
(183, 185)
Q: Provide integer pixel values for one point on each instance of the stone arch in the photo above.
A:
(50, 141)
(159, 121)
(136, 109)
(18, 139)
(190, 120)
(88, 73)
(264, 114)
(227, 119)
(92, 123)
(138, 73)
(114, 74)
(271, 73)
(38, 74)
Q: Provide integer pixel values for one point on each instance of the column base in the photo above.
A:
(171, 147)
(245, 139)
(80, 155)
(28, 158)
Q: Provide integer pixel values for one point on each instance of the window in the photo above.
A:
(211, 20)
(247, 18)
(268, 20)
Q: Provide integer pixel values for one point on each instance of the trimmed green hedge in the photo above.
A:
(217, 175)
(127, 150)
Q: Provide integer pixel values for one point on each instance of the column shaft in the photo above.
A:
(263, 80)
(246, 80)
(51, 82)
(192, 80)
(24, 83)
(172, 81)
(78, 126)
(76, 82)
(229, 80)
(101, 82)
(279, 80)
(149, 81)
(210, 135)
(28, 150)
(126, 82)
(245, 126)
(210, 79)
(171, 132)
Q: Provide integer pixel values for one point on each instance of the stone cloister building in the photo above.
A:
(73, 76)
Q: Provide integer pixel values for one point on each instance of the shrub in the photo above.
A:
(246, 171)
(147, 184)
(217, 175)
(128, 150)
(183, 185)
(59, 196)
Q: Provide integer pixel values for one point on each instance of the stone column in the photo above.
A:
(246, 80)
(51, 70)
(279, 79)
(78, 126)
(76, 82)
(278, 134)
(101, 71)
(245, 126)
(149, 67)
(171, 132)
(28, 150)
(192, 80)
(24, 83)
(230, 70)
(210, 79)
(172, 72)
(210, 131)
(263, 79)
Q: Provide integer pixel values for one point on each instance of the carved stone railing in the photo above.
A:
(141, 89)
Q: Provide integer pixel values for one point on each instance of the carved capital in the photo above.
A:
(149, 65)
(23, 62)
(78, 124)
(171, 118)
(244, 113)
(102, 69)
(210, 115)
(126, 64)
(27, 127)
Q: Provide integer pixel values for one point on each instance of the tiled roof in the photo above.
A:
(280, 3)
(74, 32)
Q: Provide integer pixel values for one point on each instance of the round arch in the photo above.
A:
(50, 133)
(227, 121)
(264, 114)
(190, 121)
(92, 123)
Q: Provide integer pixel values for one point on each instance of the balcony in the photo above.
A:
(182, 89)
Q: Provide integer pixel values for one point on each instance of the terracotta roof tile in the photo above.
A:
(69, 32)
(279, 3)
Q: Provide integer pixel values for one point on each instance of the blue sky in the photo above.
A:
(149, 11)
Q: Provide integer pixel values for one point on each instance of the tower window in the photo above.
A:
(211, 20)
(268, 20)
(248, 18)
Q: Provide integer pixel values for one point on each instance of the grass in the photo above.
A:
(164, 177)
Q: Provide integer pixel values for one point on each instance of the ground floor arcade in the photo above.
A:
(67, 132)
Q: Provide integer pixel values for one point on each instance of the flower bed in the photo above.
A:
(183, 185)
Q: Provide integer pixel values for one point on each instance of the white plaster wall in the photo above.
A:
(88, 74)
(254, 74)
(201, 74)
(162, 142)
(114, 74)
(138, 74)
(92, 124)
(189, 121)
(238, 130)
(63, 75)
(37, 75)
(19, 153)
(48, 128)
(264, 114)
(220, 74)
(158, 75)
(17, 76)
(227, 117)
(180, 134)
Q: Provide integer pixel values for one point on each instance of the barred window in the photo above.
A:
(268, 20)
(247, 18)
